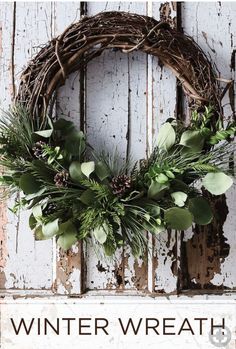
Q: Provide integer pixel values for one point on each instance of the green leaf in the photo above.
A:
(75, 143)
(38, 234)
(44, 133)
(178, 218)
(68, 236)
(192, 140)
(87, 197)
(100, 233)
(156, 190)
(201, 210)
(51, 228)
(29, 184)
(30, 197)
(87, 168)
(37, 211)
(179, 198)
(166, 136)
(66, 240)
(170, 174)
(75, 171)
(32, 222)
(217, 183)
(101, 170)
(65, 126)
(162, 179)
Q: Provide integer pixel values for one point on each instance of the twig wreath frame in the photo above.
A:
(112, 205)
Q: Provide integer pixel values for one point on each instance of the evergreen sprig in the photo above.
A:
(105, 199)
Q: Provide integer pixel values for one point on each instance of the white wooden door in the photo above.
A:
(120, 101)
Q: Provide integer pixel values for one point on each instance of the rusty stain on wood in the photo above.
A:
(68, 263)
(3, 217)
(203, 254)
(140, 278)
(3, 242)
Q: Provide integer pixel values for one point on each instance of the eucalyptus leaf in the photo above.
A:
(156, 190)
(87, 197)
(179, 198)
(32, 222)
(162, 178)
(170, 174)
(64, 125)
(66, 240)
(192, 140)
(51, 228)
(100, 233)
(29, 184)
(37, 212)
(201, 210)
(75, 143)
(30, 197)
(166, 136)
(217, 183)
(38, 234)
(68, 235)
(44, 133)
(178, 218)
(75, 171)
(102, 170)
(87, 168)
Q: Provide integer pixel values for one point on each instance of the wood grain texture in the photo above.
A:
(116, 105)
(208, 253)
(121, 101)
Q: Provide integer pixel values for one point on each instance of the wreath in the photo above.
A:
(75, 193)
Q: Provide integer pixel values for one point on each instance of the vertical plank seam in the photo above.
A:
(55, 252)
(13, 97)
(128, 134)
(82, 92)
(13, 51)
(179, 112)
(149, 145)
(82, 99)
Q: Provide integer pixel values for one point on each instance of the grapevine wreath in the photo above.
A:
(75, 193)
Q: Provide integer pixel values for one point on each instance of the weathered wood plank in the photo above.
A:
(68, 278)
(25, 26)
(128, 97)
(208, 254)
(6, 15)
(164, 107)
(116, 118)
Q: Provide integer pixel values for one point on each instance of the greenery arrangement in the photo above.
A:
(76, 194)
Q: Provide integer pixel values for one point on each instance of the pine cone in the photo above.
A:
(38, 149)
(61, 179)
(121, 184)
(49, 209)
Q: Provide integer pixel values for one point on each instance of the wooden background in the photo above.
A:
(120, 101)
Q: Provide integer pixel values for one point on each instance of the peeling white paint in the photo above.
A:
(117, 85)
